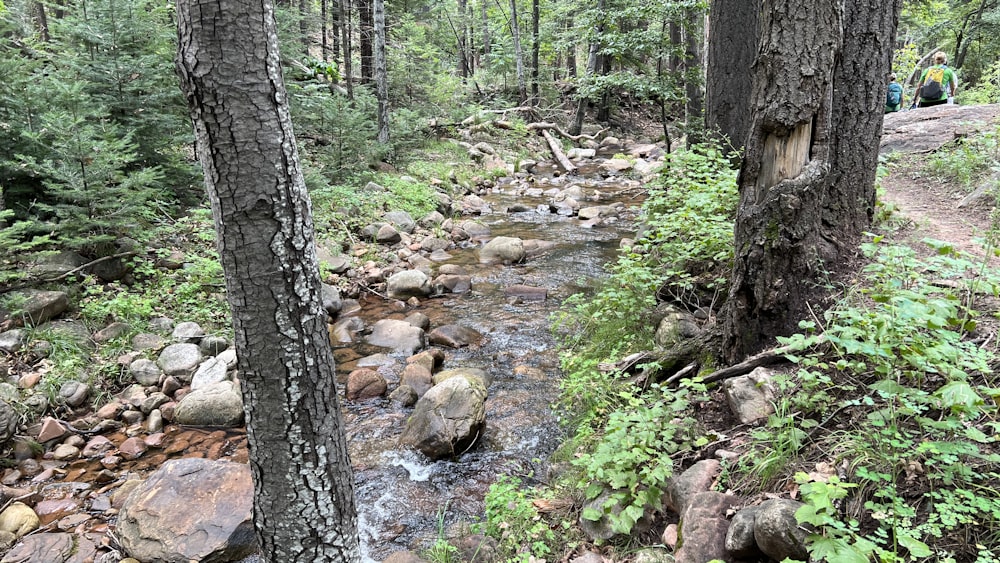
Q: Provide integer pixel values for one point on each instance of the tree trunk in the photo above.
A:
(732, 46)
(381, 75)
(581, 106)
(324, 44)
(570, 53)
(231, 75)
(515, 30)
(693, 63)
(486, 31)
(810, 159)
(366, 34)
(344, 16)
(462, 36)
(304, 10)
(535, 14)
(43, 22)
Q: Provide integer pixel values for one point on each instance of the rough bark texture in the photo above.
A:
(732, 46)
(806, 184)
(230, 73)
(693, 60)
(366, 39)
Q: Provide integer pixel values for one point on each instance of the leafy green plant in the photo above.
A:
(631, 459)
(522, 533)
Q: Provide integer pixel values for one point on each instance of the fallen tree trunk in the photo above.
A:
(544, 125)
(558, 153)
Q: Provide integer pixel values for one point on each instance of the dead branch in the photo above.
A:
(765, 358)
(61, 277)
(558, 153)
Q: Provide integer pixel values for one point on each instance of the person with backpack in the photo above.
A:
(937, 83)
(894, 96)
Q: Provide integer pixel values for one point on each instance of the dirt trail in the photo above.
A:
(931, 203)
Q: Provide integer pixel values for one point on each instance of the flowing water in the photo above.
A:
(404, 499)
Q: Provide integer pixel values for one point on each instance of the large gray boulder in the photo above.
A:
(402, 220)
(408, 283)
(507, 250)
(448, 419)
(400, 336)
(212, 370)
(180, 360)
(213, 526)
(777, 531)
(216, 405)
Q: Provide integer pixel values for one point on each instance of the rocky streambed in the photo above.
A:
(477, 288)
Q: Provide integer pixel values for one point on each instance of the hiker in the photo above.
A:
(894, 96)
(937, 83)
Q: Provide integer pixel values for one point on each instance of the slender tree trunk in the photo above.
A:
(43, 22)
(693, 63)
(304, 15)
(571, 53)
(535, 14)
(324, 44)
(733, 36)
(381, 75)
(366, 34)
(581, 106)
(485, 24)
(231, 76)
(515, 30)
(334, 32)
(604, 106)
(462, 35)
(344, 16)
(807, 178)
(969, 30)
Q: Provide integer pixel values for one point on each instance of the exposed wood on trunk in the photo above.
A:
(558, 153)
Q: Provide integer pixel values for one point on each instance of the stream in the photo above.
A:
(404, 499)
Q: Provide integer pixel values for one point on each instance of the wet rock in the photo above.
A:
(455, 336)
(36, 306)
(400, 336)
(696, 479)
(408, 283)
(344, 330)
(432, 219)
(18, 519)
(97, 446)
(430, 359)
(507, 250)
(403, 397)
(133, 448)
(474, 375)
(526, 292)
(52, 548)
(614, 166)
(154, 423)
(363, 384)
(145, 372)
(431, 243)
(332, 301)
(703, 528)
(12, 340)
(419, 320)
(212, 370)
(215, 525)
(110, 332)
(474, 229)
(190, 332)
(180, 360)
(217, 405)
(52, 429)
(474, 205)
(418, 378)
(454, 283)
(751, 397)
(777, 532)
(447, 420)
(212, 345)
(74, 393)
(153, 402)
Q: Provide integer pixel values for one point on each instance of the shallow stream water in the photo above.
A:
(404, 499)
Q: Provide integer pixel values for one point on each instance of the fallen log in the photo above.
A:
(546, 126)
(558, 153)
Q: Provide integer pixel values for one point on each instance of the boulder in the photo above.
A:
(703, 528)
(454, 336)
(212, 370)
(502, 249)
(474, 375)
(18, 519)
(12, 340)
(180, 360)
(145, 372)
(216, 405)
(213, 345)
(52, 548)
(387, 234)
(332, 301)
(215, 525)
(110, 332)
(418, 378)
(400, 336)
(408, 283)
(777, 532)
(363, 384)
(401, 220)
(453, 283)
(9, 420)
(739, 538)
(448, 419)
(36, 306)
(751, 397)
(696, 479)
(188, 332)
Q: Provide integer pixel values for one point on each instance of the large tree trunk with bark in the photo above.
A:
(693, 63)
(230, 72)
(807, 176)
(732, 46)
